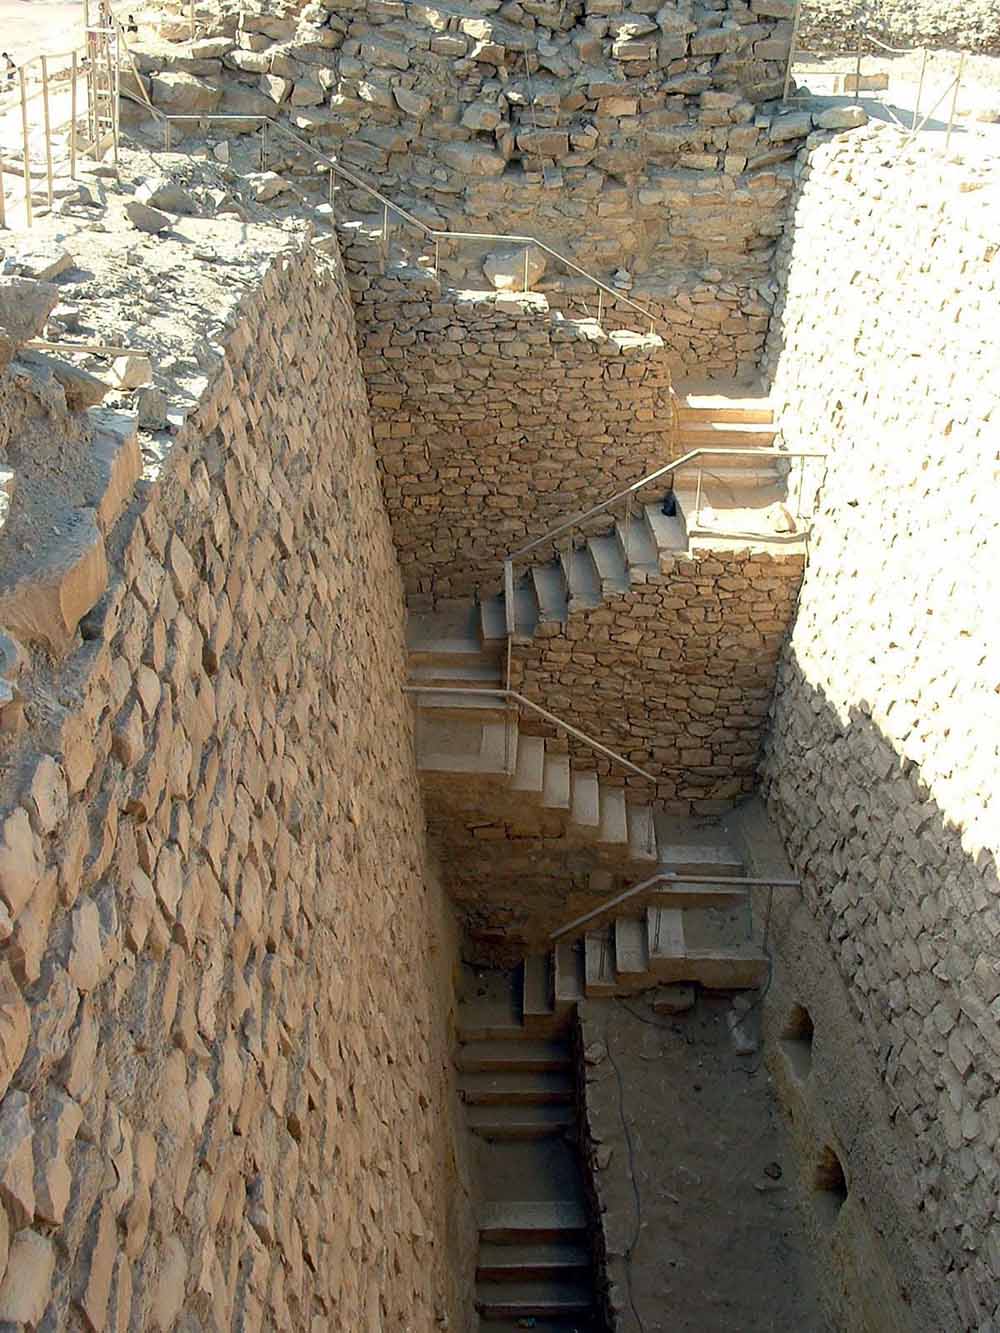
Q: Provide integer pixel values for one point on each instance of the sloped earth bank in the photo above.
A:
(720, 1245)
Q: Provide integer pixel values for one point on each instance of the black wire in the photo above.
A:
(630, 1248)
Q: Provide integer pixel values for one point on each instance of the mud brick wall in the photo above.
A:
(676, 675)
(495, 421)
(223, 988)
(882, 760)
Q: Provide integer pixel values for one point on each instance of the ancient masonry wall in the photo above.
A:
(882, 760)
(223, 989)
(640, 137)
(495, 421)
(676, 675)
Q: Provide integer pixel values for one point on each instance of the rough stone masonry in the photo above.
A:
(882, 759)
(224, 986)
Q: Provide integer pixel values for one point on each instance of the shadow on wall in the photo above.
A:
(912, 920)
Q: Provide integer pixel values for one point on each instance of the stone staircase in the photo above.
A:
(534, 1265)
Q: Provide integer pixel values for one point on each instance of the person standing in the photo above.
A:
(8, 72)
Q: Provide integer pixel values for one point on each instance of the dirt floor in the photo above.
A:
(721, 1246)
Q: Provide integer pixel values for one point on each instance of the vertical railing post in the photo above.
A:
(26, 148)
(791, 50)
(47, 123)
(697, 502)
(600, 304)
(3, 203)
(525, 288)
(920, 90)
(628, 536)
(72, 118)
(114, 84)
(954, 103)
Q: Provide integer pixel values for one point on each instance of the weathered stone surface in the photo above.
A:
(471, 159)
(182, 94)
(841, 118)
(515, 269)
(25, 306)
(15, 1024)
(17, 1190)
(24, 1293)
(167, 196)
(46, 605)
(144, 218)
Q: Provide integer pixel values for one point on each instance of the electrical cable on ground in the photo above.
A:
(630, 1248)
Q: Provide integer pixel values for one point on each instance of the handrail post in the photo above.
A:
(525, 288)
(26, 142)
(697, 503)
(954, 103)
(791, 50)
(920, 91)
(47, 123)
(72, 120)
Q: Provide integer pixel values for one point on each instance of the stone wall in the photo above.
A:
(495, 421)
(642, 141)
(882, 762)
(677, 674)
(837, 25)
(225, 983)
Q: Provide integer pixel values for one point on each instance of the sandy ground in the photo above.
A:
(721, 1245)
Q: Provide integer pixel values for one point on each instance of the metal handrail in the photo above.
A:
(500, 693)
(648, 480)
(667, 877)
(388, 205)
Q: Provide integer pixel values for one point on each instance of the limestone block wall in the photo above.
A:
(627, 135)
(882, 761)
(676, 675)
(495, 421)
(226, 964)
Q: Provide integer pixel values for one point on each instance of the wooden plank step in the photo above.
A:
(484, 1056)
(609, 561)
(550, 591)
(556, 781)
(497, 1122)
(516, 1088)
(585, 810)
(581, 578)
(529, 773)
(599, 954)
(506, 1263)
(613, 828)
(536, 987)
(522, 1300)
(556, 1220)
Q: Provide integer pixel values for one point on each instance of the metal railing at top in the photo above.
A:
(579, 924)
(512, 697)
(625, 497)
(857, 54)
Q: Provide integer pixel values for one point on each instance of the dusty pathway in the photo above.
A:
(721, 1248)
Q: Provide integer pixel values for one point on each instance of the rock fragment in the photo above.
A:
(146, 219)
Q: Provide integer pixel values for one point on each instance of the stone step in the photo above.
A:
(516, 1088)
(687, 858)
(550, 591)
(609, 561)
(493, 617)
(667, 534)
(530, 770)
(556, 781)
(569, 978)
(539, 1298)
(485, 706)
(510, 1263)
(744, 408)
(457, 746)
(719, 435)
(613, 828)
(582, 579)
(641, 833)
(491, 1056)
(631, 956)
(599, 954)
(532, 1222)
(452, 652)
(585, 810)
(664, 934)
(519, 1122)
(638, 548)
(536, 988)
(465, 675)
(573, 1324)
